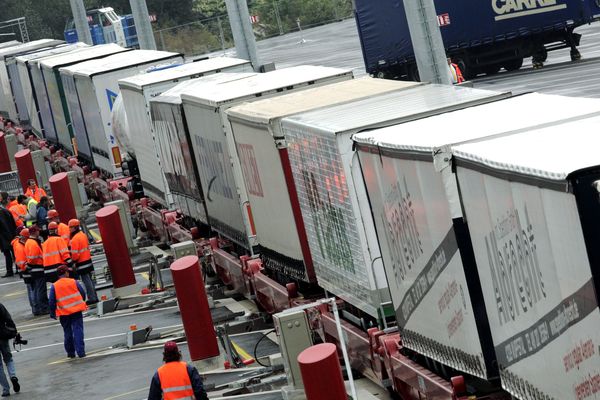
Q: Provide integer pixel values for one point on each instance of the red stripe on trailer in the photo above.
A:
(251, 219)
(301, 229)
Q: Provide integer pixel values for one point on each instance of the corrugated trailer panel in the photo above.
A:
(426, 249)
(256, 129)
(56, 117)
(27, 66)
(332, 195)
(218, 163)
(137, 91)
(176, 153)
(97, 88)
(5, 46)
(532, 209)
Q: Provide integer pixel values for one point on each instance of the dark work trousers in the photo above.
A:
(8, 257)
(40, 294)
(73, 329)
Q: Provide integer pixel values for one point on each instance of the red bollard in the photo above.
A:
(25, 167)
(4, 159)
(63, 198)
(321, 373)
(117, 253)
(195, 312)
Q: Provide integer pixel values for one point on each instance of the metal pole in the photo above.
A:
(427, 41)
(139, 9)
(278, 17)
(162, 41)
(81, 21)
(221, 34)
(243, 35)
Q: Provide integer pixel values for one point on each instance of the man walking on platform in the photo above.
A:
(67, 302)
(176, 379)
(18, 245)
(35, 263)
(81, 256)
(8, 330)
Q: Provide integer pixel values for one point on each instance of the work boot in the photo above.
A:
(15, 383)
(8, 275)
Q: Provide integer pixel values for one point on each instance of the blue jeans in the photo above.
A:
(10, 365)
(40, 294)
(90, 289)
(73, 330)
(31, 297)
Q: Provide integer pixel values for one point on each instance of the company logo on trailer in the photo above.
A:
(506, 9)
(401, 231)
(112, 97)
(516, 275)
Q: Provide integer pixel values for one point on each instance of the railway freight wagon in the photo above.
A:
(29, 74)
(56, 125)
(423, 235)
(229, 212)
(95, 85)
(263, 154)
(173, 139)
(532, 204)
(331, 195)
(137, 91)
(8, 107)
(481, 36)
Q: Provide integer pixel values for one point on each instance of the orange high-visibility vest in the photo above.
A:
(55, 252)
(80, 248)
(18, 212)
(36, 193)
(175, 381)
(68, 299)
(12, 203)
(20, 256)
(64, 232)
(35, 258)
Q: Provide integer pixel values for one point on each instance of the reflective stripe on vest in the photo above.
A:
(64, 232)
(55, 251)
(33, 252)
(175, 381)
(68, 299)
(80, 249)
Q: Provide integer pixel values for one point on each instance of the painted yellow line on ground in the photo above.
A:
(241, 352)
(13, 294)
(145, 275)
(126, 394)
(95, 235)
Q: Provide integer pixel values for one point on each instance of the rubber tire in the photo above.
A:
(513, 65)
(492, 69)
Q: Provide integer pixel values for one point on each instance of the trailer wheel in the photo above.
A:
(468, 72)
(492, 69)
(413, 73)
(514, 64)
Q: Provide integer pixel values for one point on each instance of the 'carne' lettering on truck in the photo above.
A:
(506, 9)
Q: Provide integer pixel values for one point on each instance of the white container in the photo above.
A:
(426, 249)
(25, 96)
(531, 202)
(174, 144)
(8, 108)
(331, 193)
(137, 92)
(55, 118)
(257, 131)
(97, 87)
(219, 167)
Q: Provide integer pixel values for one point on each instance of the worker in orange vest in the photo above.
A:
(63, 229)
(19, 210)
(10, 199)
(56, 253)
(176, 379)
(67, 302)
(81, 256)
(34, 191)
(18, 245)
(35, 265)
(455, 72)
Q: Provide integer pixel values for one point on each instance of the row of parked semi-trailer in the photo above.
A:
(465, 218)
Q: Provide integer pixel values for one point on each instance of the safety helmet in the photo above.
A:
(52, 226)
(24, 233)
(170, 348)
(73, 223)
(52, 213)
